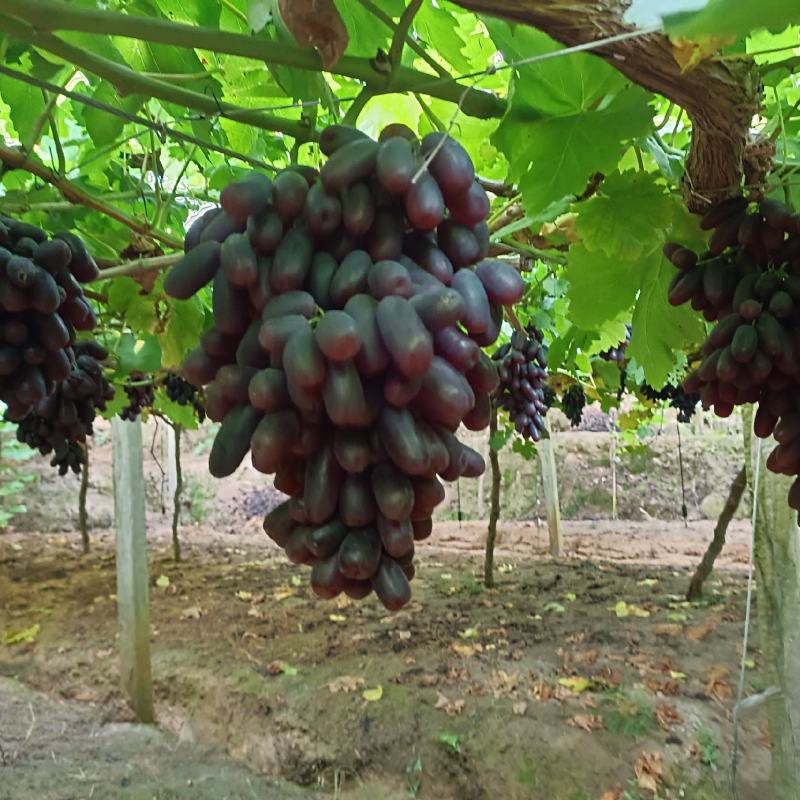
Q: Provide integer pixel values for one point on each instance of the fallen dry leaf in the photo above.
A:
(450, 707)
(699, 632)
(541, 691)
(502, 684)
(192, 612)
(717, 684)
(612, 794)
(584, 658)
(669, 629)
(345, 683)
(662, 686)
(282, 592)
(316, 23)
(649, 770)
(373, 695)
(667, 715)
(428, 679)
(576, 684)
(466, 650)
(519, 709)
(587, 722)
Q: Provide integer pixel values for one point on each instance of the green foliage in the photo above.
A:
(13, 477)
(579, 145)
(734, 18)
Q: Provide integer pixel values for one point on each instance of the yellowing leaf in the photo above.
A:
(469, 633)
(337, 617)
(677, 676)
(24, 636)
(647, 582)
(576, 684)
(623, 609)
(570, 597)
(242, 594)
(282, 592)
(162, 581)
(373, 695)
(688, 53)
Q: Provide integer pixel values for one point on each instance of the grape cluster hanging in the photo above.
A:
(350, 308)
(748, 283)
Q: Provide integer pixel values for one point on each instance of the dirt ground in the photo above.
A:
(586, 678)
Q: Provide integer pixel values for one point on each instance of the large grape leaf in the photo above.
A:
(628, 216)
(551, 157)
(567, 117)
(660, 331)
(601, 287)
(25, 102)
(200, 12)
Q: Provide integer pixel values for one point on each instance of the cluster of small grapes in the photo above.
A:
(141, 394)
(60, 423)
(183, 393)
(685, 403)
(350, 307)
(749, 284)
(41, 306)
(522, 367)
(573, 401)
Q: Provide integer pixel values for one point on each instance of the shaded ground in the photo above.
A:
(51, 749)
(568, 681)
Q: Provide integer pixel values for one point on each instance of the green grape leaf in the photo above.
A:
(25, 102)
(627, 218)
(200, 12)
(184, 416)
(104, 128)
(184, 326)
(138, 353)
(600, 287)
(733, 18)
(499, 439)
(660, 331)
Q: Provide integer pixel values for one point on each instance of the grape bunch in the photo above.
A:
(573, 401)
(60, 422)
(617, 354)
(184, 393)
(141, 394)
(350, 307)
(748, 283)
(41, 306)
(685, 403)
(522, 367)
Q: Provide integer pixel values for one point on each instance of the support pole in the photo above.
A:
(777, 565)
(132, 571)
(547, 460)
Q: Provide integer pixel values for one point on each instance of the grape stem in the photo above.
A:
(140, 266)
(16, 159)
(401, 33)
(514, 320)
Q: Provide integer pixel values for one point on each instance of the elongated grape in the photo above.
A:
(404, 335)
(337, 336)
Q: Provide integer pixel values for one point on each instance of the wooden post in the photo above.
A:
(547, 460)
(132, 572)
(777, 569)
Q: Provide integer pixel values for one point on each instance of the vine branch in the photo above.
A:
(719, 97)
(17, 159)
(128, 81)
(140, 266)
(47, 15)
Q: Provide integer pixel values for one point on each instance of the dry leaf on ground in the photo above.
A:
(519, 709)
(717, 684)
(699, 632)
(450, 707)
(649, 771)
(587, 722)
(667, 715)
(345, 683)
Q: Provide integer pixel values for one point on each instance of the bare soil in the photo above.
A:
(571, 679)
